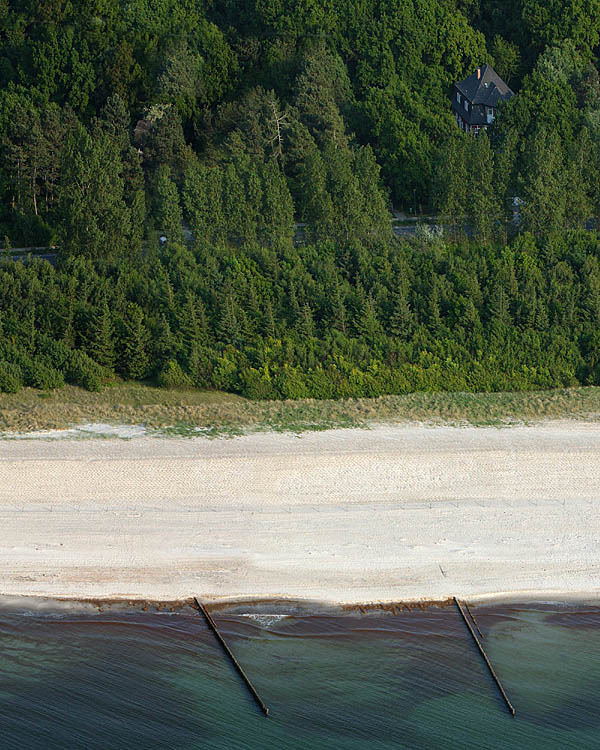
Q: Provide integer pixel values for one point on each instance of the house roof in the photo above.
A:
(488, 89)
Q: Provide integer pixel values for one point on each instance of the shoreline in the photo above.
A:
(306, 607)
(392, 515)
(281, 607)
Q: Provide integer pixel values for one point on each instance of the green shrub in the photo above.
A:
(11, 377)
(56, 351)
(40, 374)
(76, 366)
(225, 375)
(291, 383)
(172, 376)
(257, 384)
(84, 371)
(32, 231)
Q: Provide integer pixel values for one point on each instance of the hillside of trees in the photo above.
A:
(269, 141)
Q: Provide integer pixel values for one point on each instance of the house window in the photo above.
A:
(458, 96)
(466, 103)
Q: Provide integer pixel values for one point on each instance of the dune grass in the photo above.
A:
(188, 411)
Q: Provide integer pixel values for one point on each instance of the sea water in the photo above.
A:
(137, 680)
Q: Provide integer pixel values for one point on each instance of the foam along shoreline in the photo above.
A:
(390, 514)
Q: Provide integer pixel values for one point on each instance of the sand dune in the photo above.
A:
(392, 513)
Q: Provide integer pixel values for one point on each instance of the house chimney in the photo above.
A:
(478, 73)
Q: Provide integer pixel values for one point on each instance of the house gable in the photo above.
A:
(474, 100)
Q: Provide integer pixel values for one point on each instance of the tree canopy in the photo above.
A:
(268, 141)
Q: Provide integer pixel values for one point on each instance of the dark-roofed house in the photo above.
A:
(474, 100)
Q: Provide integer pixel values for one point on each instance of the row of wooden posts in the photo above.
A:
(467, 620)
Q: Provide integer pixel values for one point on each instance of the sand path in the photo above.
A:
(390, 513)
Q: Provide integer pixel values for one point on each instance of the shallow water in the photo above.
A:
(140, 680)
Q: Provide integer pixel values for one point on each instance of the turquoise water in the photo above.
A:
(141, 680)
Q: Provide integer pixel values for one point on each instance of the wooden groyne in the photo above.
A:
(474, 619)
(212, 625)
(485, 658)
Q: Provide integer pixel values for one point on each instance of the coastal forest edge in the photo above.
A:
(266, 142)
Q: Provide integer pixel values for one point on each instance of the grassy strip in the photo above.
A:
(183, 411)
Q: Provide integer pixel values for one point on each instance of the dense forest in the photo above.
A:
(269, 141)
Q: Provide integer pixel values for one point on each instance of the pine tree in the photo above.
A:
(543, 184)
(594, 183)
(165, 295)
(253, 306)
(470, 319)
(193, 363)
(188, 323)
(542, 321)
(316, 206)
(505, 173)
(137, 208)
(216, 221)
(434, 307)
(450, 181)
(591, 290)
(203, 329)
(94, 219)
(483, 204)
(115, 121)
(350, 220)
(268, 325)
(579, 158)
(366, 322)
(165, 343)
(100, 340)
(294, 305)
(305, 325)
(29, 328)
(374, 207)
(195, 200)
(203, 202)
(134, 339)
(229, 329)
(499, 310)
(68, 333)
(251, 219)
(402, 318)
(339, 314)
(321, 87)
(234, 202)
(278, 206)
(168, 214)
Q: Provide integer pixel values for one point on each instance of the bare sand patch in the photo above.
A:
(388, 514)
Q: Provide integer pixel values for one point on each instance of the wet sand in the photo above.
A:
(389, 514)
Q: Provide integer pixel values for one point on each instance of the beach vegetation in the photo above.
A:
(187, 411)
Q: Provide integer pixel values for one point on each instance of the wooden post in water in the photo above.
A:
(473, 618)
(236, 664)
(487, 661)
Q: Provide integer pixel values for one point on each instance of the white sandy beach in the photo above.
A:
(388, 514)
